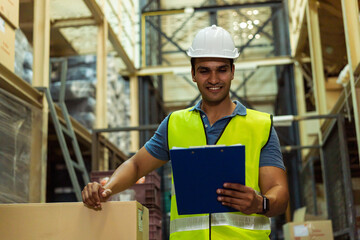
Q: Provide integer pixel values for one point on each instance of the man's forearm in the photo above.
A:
(131, 170)
(124, 177)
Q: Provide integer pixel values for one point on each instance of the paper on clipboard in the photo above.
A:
(199, 171)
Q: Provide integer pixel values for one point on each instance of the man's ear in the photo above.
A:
(193, 75)
(233, 71)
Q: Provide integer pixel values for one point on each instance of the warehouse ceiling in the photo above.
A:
(74, 27)
(253, 23)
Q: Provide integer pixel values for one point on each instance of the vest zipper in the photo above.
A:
(206, 144)
(209, 226)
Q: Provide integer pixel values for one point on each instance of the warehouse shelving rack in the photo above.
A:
(47, 27)
(328, 33)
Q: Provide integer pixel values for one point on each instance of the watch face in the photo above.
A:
(266, 204)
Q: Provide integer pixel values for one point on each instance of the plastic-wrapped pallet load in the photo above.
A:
(118, 107)
(81, 91)
(23, 57)
(16, 136)
(76, 89)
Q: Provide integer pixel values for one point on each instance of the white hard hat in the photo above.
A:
(213, 42)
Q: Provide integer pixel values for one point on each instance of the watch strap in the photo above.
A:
(265, 205)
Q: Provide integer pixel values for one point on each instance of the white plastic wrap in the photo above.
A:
(17, 120)
(23, 57)
(80, 95)
(81, 105)
(344, 76)
(74, 89)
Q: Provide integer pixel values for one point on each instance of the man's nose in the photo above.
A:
(213, 79)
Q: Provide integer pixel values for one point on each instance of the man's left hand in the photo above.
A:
(240, 197)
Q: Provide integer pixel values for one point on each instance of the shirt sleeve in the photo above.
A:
(271, 153)
(157, 146)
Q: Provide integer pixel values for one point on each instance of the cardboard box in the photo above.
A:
(307, 227)
(73, 221)
(9, 9)
(7, 45)
(319, 230)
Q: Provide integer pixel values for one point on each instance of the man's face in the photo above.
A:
(213, 77)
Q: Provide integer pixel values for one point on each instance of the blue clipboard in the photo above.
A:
(198, 172)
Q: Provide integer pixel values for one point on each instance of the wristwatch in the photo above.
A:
(266, 204)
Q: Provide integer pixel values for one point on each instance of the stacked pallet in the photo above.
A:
(148, 194)
(166, 197)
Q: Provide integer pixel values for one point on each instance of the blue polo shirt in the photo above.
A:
(270, 154)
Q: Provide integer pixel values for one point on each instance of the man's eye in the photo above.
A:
(203, 71)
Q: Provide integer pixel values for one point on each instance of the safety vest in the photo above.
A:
(185, 129)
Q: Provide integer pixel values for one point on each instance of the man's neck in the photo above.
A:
(218, 111)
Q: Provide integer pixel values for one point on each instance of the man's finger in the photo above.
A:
(87, 199)
(95, 193)
(236, 186)
(231, 193)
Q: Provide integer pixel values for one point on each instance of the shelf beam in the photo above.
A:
(240, 65)
(317, 65)
(350, 10)
(41, 44)
(134, 115)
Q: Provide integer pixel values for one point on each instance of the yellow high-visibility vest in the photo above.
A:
(185, 129)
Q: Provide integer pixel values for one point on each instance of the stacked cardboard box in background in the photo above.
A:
(9, 21)
(307, 227)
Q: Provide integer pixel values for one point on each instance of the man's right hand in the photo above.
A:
(93, 194)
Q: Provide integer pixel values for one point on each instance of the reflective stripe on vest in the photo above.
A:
(189, 224)
(220, 219)
(240, 221)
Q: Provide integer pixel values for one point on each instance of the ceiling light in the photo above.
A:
(250, 27)
(188, 10)
(256, 22)
(255, 12)
(251, 36)
(243, 25)
(235, 23)
(236, 28)
(257, 36)
(234, 14)
(249, 12)
(249, 22)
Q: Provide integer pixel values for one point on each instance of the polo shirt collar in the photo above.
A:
(239, 109)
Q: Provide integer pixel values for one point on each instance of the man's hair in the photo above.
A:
(192, 60)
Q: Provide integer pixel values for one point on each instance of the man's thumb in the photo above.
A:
(106, 193)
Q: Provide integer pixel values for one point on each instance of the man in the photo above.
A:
(214, 120)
